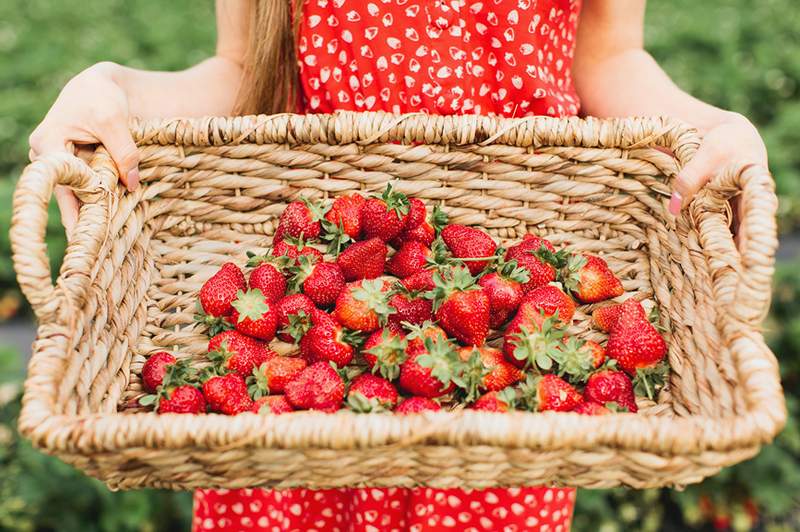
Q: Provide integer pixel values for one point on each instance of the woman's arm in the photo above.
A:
(94, 106)
(615, 76)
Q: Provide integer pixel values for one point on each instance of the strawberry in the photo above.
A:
(469, 243)
(415, 405)
(605, 317)
(552, 301)
(533, 341)
(328, 341)
(527, 254)
(318, 387)
(268, 278)
(300, 219)
(320, 281)
(550, 392)
(233, 351)
(227, 394)
(504, 290)
(417, 212)
(589, 408)
(363, 305)
(363, 260)
(409, 307)
(491, 402)
(294, 317)
(638, 348)
(424, 231)
(154, 369)
(370, 393)
(271, 404)
(418, 333)
(487, 369)
(183, 399)
(429, 370)
(420, 281)
(461, 307)
(343, 222)
(590, 280)
(254, 316)
(577, 359)
(384, 218)
(611, 386)
(598, 353)
(384, 351)
(273, 375)
(411, 258)
(292, 248)
(217, 294)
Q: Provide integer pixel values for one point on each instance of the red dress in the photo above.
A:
(503, 57)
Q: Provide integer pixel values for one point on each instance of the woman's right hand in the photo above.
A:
(91, 109)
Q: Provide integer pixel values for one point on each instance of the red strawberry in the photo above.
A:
(384, 351)
(428, 370)
(417, 212)
(363, 305)
(183, 399)
(254, 316)
(638, 348)
(415, 405)
(343, 221)
(318, 387)
(300, 219)
(487, 369)
(604, 318)
(418, 333)
(272, 376)
(577, 359)
(420, 282)
(294, 317)
(461, 307)
(154, 369)
(554, 393)
(551, 300)
(590, 280)
(217, 294)
(469, 243)
(527, 254)
(370, 393)
(272, 404)
(589, 408)
(611, 386)
(597, 351)
(384, 218)
(292, 248)
(423, 231)
(270, 280)
(410, 307)
(491, 402)
(328, 341)
(233, 351)
(320, 281)
(531, 340)
(504, 290)
(227, 394)
(411, 258)
(363, 260)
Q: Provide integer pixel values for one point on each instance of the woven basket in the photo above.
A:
(213, 188)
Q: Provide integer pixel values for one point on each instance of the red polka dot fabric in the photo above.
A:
(384, 510)
(503, 57)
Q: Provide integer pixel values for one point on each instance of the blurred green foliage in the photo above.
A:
(734, 53)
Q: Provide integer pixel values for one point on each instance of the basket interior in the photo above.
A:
(202, 206)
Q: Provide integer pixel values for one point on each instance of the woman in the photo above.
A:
(503, 57)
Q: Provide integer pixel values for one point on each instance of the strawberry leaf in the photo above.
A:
(250, 305)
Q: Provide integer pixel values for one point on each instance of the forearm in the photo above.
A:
(208, 88)
(630, 83)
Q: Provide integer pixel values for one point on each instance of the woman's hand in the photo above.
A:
(91, 109)
(734, 139)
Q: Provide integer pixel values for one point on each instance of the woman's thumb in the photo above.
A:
(119, 143)
(691, 179)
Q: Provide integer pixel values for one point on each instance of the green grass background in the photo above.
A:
(738, 54)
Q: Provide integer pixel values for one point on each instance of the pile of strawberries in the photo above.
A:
(405, 312)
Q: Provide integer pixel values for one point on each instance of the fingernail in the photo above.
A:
(133, 179)
(675, 202)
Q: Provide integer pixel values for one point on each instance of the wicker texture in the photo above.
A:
(213, 188)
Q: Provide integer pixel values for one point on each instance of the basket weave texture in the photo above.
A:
(213, 189)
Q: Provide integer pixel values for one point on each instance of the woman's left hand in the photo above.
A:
(734, 139)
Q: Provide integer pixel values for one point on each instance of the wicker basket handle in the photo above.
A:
(745, 273)
(29, 223)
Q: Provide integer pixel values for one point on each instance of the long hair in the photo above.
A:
(270, 79)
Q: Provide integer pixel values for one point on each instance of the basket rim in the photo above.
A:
(690, 435)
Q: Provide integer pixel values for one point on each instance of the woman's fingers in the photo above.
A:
(117, 139)
(69, 205)
(692, 178)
